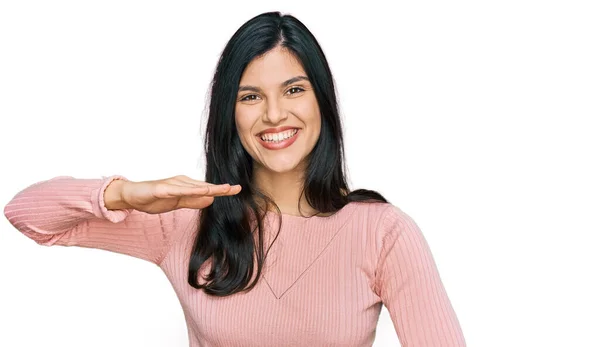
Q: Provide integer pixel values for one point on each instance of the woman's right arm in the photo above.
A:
(69, 211)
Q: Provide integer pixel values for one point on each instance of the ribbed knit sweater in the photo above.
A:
(324, 282)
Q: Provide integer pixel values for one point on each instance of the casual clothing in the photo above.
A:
(324, 282)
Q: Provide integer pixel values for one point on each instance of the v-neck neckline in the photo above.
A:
(300, 243)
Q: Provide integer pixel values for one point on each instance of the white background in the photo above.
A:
(477, 118)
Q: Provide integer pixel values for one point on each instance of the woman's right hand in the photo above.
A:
(165, 195)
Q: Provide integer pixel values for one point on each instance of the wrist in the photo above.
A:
(113, 196)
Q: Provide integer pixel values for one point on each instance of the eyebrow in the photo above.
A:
(286, 83)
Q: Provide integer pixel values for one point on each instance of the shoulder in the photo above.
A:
(385, 223)
(381, 215)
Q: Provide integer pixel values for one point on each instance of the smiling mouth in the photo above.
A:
(279, 144)
(277, 139)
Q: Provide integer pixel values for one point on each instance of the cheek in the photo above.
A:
(242, 123)
(308, 111)
(314, 119)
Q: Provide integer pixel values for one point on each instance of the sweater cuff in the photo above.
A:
(98, 207)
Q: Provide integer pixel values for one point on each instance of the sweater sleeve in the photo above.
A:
(69, 211)
(410, 287)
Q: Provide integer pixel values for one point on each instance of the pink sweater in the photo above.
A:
(325, 280)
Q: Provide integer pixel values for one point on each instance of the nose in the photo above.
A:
(275, 112)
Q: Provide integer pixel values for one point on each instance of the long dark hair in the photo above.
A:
(225, 231)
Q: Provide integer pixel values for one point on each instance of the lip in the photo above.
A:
(279, 145)
(276, 130)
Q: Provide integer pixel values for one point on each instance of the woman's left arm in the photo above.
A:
(409, 284)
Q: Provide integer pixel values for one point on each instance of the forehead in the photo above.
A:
(272, 68)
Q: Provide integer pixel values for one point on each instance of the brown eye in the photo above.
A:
(249, 97)
(295, 88)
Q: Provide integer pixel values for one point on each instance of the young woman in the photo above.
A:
(287, 255)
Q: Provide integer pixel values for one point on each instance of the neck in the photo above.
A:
(284, 189)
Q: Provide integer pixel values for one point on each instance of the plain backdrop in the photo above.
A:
(477, 118)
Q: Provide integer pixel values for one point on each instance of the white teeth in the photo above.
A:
(279, 136)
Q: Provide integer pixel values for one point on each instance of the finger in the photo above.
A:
(187, 184)
(217, 191)
(195, 202)
(172, 190)
(194, 182)
(187, 181)
(221, 190)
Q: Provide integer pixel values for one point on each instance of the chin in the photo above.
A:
(281, 168)
(281, 165)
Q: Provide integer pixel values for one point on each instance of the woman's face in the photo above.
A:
(275, 92)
